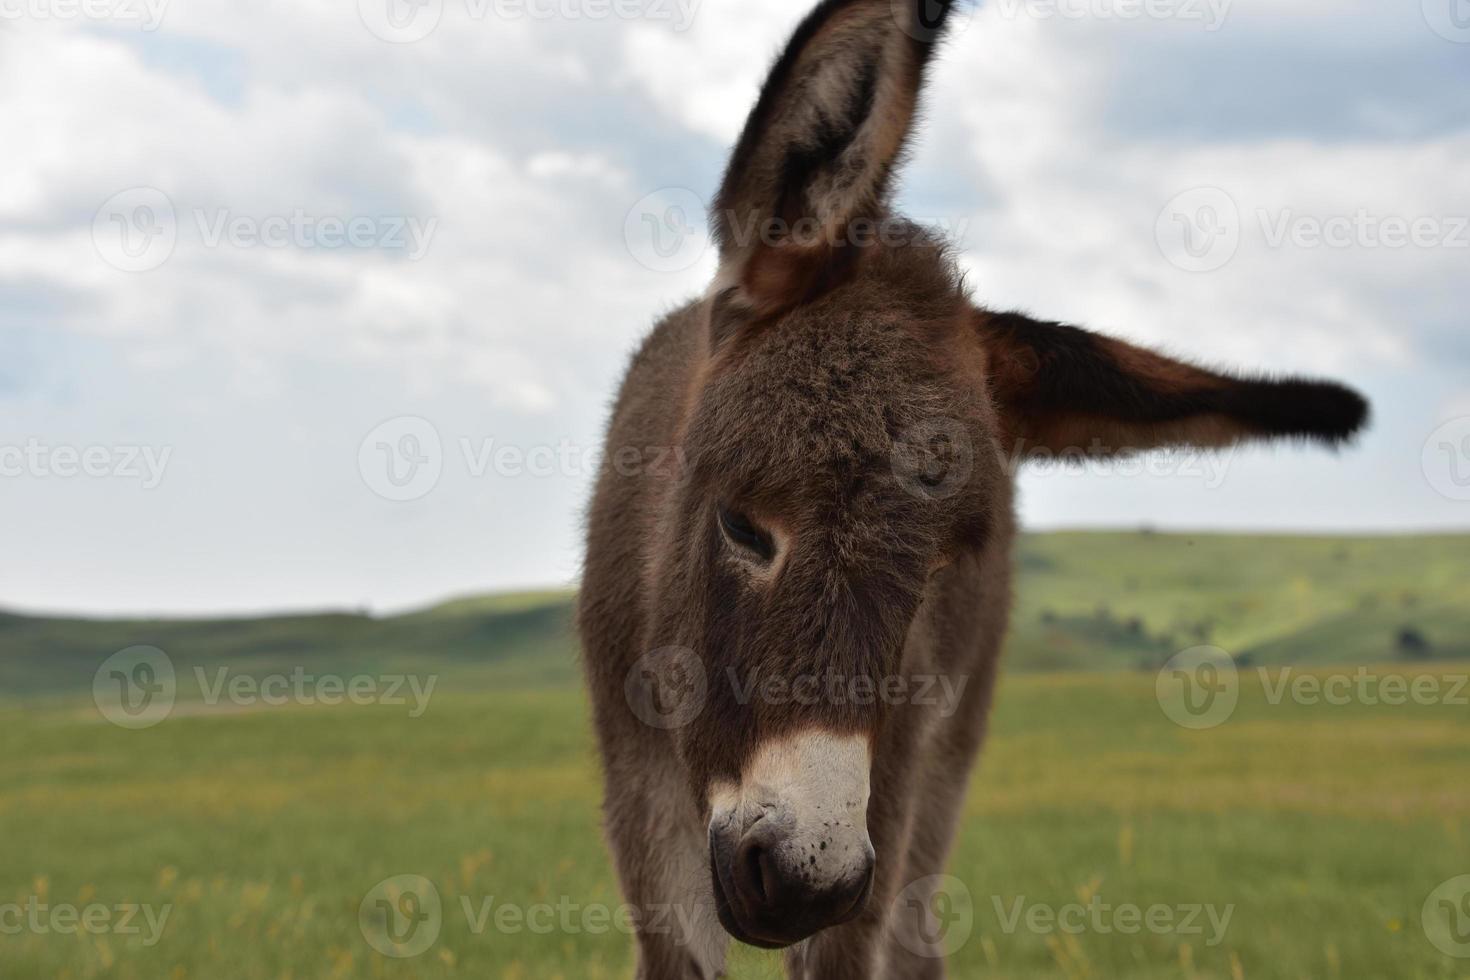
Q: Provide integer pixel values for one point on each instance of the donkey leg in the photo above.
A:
(920, 931)
(662, 857)
(915, 946)
(846, 952)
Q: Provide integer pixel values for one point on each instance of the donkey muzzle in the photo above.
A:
(789, 847)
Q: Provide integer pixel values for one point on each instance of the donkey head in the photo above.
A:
(849, 427)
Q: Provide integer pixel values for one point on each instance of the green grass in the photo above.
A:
(1322, 827)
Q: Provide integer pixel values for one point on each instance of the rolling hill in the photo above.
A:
(1085, 601)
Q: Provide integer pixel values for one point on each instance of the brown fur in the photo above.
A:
(797, 419)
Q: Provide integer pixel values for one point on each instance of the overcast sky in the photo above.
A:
(251, 255)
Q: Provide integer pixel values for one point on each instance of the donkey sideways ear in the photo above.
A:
(819, 148)
(1063, 389)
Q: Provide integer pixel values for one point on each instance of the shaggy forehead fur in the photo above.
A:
(813, 401)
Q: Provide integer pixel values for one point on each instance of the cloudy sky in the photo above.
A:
(312, 303)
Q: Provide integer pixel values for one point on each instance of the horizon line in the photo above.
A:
(395, 610)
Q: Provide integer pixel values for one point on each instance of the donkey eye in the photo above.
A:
(740, 531)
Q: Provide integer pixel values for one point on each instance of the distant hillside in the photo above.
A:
(1085, 600)
(1090, 600)
(521, 639)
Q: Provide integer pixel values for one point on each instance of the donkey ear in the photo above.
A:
(818, 150)
(1060, 389)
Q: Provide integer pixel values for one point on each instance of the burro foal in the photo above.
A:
(828, 538)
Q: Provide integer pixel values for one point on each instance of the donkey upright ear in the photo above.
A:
(1064, 390)
(819, 148)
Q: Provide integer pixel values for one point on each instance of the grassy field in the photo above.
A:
(1320, 830)
(1298, 838)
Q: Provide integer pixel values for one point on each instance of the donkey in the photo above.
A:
(757, 620)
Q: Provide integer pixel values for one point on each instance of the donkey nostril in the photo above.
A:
(758, 874)
(770, 877)
(756, 868)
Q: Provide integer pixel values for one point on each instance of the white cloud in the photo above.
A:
(503, 237)
(707, 77)
(524, 144)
